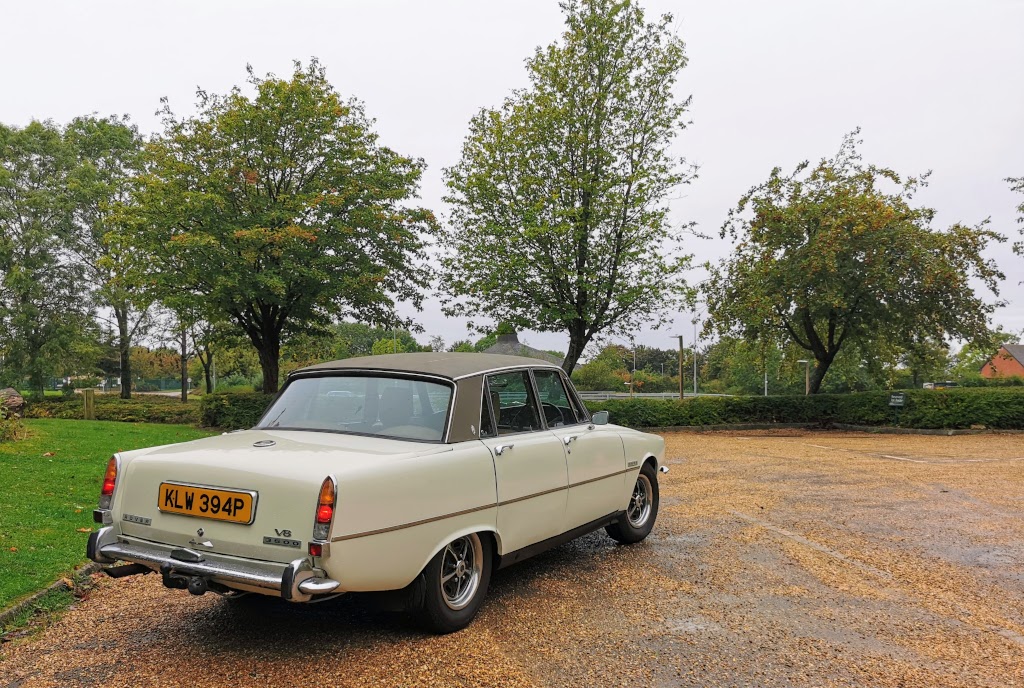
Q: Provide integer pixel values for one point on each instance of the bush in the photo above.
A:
(11, 428)
(138, 409)
(233, 410)
(1000, 408)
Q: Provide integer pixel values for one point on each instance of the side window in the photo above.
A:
(554, 399)
(513, 403)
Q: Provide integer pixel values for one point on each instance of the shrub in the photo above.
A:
(1000, 408)
(233, 410)
(11, 428)
(138, 409)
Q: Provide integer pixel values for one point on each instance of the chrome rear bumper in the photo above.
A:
(297, 581)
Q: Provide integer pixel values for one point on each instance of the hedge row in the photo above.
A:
(1000, 408)
(233, 410)
(138, 409)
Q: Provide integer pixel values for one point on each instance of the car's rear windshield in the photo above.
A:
(398, 407)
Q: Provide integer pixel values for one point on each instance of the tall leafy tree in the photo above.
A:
(108, 155)
(42, 300)
(838, 257)
(559, 216)
(281, 211)
(1017, 184)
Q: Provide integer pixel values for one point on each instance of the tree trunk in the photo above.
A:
(37, 383)
(36, 379)
(184, 366)
(263, 326)
(577, 343)
(124, 346)
(819, 370)
(207, 362)
(269, 363)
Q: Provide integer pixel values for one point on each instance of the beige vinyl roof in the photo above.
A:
(443, 364)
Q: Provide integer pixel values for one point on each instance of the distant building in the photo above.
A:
(510, 345)
(1008, 362)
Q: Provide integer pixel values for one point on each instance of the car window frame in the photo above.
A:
(485, 405)
(575, 398)
(531, 392)
(574, 404)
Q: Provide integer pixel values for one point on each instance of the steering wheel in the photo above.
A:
(553, 415)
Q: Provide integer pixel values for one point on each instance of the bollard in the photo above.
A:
(89, 396)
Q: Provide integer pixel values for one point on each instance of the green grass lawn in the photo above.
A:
(49, 485)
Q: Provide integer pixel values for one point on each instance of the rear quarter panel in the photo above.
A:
(392, 519)
(639, 447)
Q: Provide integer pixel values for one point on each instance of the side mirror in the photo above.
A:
(599, 418)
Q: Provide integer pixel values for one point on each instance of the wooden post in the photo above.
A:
(680, 338)
(89, 396)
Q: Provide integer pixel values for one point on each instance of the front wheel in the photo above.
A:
(638, 520)
(454, 583)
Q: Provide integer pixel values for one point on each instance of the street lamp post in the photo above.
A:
(807, 375)
(680, 338)
(695, 357)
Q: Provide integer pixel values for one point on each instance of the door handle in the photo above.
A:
(500, 449)
(569, 438)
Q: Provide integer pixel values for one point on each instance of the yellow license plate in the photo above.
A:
(237, 506)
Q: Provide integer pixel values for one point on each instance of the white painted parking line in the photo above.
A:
(813, 545)
(901, 458)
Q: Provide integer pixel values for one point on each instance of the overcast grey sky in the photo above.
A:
(934, 85)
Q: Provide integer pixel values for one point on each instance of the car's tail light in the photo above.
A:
(109, 483)
(325, 509)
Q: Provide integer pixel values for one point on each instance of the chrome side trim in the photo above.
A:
(413, 524)
(506, 502)
(602, 477)
(525, 366)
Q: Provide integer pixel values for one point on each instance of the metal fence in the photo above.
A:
(605, 396)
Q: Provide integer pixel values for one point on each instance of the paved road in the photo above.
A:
(798, 559)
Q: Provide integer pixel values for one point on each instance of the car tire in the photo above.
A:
(453, 585)
(641, 512)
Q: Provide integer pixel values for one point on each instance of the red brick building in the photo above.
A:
(1009, 362)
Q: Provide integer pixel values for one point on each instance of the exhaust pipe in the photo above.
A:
(127, 570)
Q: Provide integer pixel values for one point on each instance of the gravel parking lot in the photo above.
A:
(779, 559)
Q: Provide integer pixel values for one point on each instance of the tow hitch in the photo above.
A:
(197, 585)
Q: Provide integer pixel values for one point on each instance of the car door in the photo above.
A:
(529, 464)
(595, 461)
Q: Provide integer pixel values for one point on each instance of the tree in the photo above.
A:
(283, 212)
(1017, 184)
(832, 259)
(43, 307)
(109, 157)
(559, 217)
